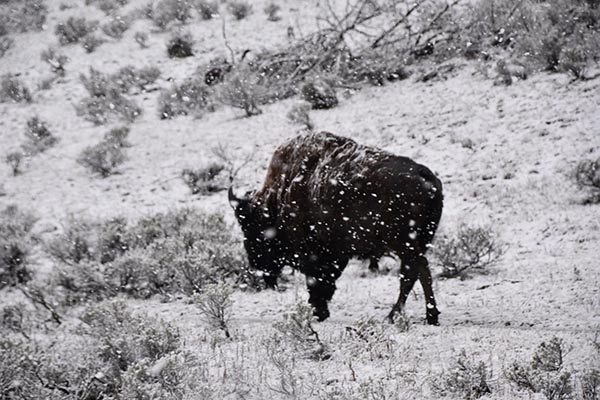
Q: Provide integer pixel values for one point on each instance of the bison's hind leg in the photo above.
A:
(411, 270)
(408, 277)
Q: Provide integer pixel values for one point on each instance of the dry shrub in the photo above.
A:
(180, 45)
(107, 97)
(167, 11)
(297, 329)
(118, 136)
(108, 6)
(39, 137)
(241, 90)
(207, 9)
(141, 38)
(14, 159)
(272, 12)
(114, 353)
(116, 27)
(16, 242)
(215, 303)
(299, 114)
(55, 59)
(129, 77)
(546, 34)
(102, 158)
(587, 176)
(467, 378)
(239, 9)
(203, 181)
(192, 97)
(13, 89)
(590, 384)
(369, 339)
(320, 94)
(22, 16)
(90, 42)
(469, 250)
(545, 373)
(177, 252)
(5, 45)
(73, 30)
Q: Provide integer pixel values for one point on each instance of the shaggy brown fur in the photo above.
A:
(327, 199)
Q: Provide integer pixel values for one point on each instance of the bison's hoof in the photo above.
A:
(321, 314)
(432, 318)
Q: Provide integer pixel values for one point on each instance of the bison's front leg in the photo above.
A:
(320, 282)
(270, 280)
(320, 291)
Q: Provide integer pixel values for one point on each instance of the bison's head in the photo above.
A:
(264, 248)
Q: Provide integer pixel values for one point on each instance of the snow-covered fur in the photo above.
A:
(327, 199)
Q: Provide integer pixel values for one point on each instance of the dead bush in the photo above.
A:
(73, 30)
(108, 6)
(22, 16)
(299, 114)
(102, 158)
(241, 90)
(320, 94)
(18, 370)
(297, 328)
(272, 12)
(192, 97)
(15, 318)
(180, 45)
(587, 176)
(116, 27)
(239, 9)
(117, 136)
(113, 354)
(56, 60)
(14, 159)
(13, 89)
(215, 303)
(590, 384)
(545, 373)
(39, 137)
(177, 252)
(141, 38)
(90, 42)
(466, 378)
(130, 77)
(207, 9)
(74, 245)
(546, 34)
(167, 11)
(368, 338)
(6, 43)
(202, 181)
(16, 242)
(469, 250)
(107, 98)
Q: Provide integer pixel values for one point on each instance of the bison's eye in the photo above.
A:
(270, 233)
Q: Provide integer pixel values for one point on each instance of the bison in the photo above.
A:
(327, 199)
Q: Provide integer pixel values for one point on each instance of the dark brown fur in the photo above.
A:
(327, 199)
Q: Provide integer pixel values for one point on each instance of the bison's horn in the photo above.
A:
(233, 200)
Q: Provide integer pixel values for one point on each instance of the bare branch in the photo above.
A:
(222, 154)
(224, 33)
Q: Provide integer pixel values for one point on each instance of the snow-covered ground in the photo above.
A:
(505, 155)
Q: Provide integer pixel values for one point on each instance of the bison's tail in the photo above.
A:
(432, 184)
